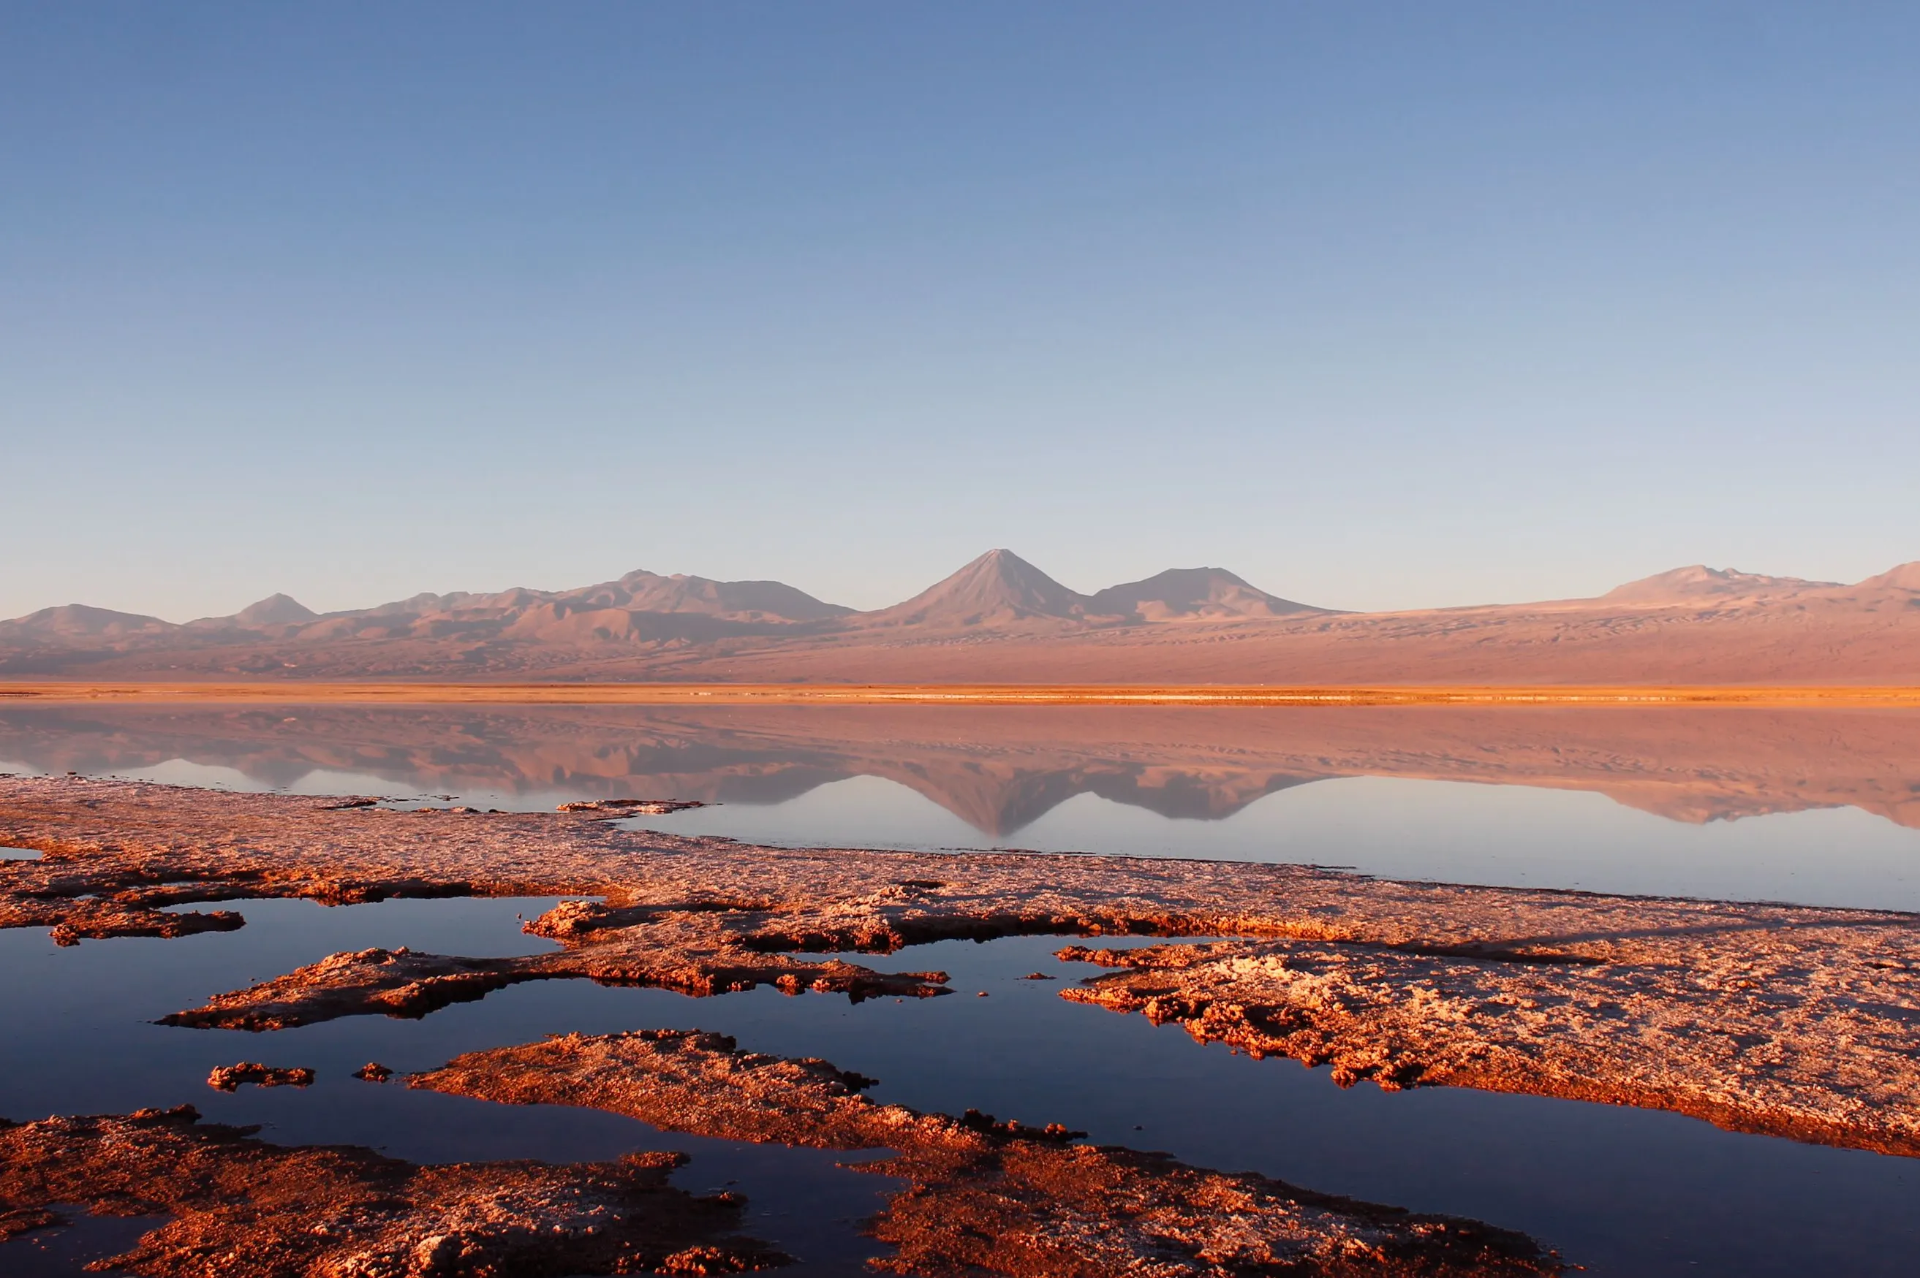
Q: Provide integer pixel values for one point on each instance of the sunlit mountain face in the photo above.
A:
(1001, 619)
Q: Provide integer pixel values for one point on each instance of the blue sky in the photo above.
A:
(1380, 305)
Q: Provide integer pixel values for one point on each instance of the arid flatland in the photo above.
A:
(531, 694)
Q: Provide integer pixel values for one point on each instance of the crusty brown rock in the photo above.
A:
(245, 1209)
(1767, 1038)
(1789, 1019)
(987, 1197)
(230, 1078)
(23, 1220)
(403, 984)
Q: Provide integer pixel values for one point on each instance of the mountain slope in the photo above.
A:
(1698, 583)
(1000, 619)
(1192, 593)
(1901, 578)
(274, 610)
(71, 622)
(997, 588)
(735, 600)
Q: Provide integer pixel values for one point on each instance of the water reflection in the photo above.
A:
(1819, 806)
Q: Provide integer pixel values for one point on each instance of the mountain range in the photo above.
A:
(1000, 619)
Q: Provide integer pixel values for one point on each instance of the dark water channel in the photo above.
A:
(1620, 1191)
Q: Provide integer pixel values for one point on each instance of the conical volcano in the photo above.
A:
(996, 588)
(275, 610)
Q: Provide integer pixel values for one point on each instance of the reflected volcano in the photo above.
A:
(999, 769)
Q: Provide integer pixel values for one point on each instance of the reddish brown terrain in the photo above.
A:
(1001, 620)
(242, 1208)
(983, 1197)
(986, 1196)
(1787, 1020)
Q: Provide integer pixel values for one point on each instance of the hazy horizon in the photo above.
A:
(1379, 307)
(179, 618)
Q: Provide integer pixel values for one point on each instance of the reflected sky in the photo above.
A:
(1815, 807)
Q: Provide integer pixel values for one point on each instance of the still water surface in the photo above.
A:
(1816, 807)
(1805, 809)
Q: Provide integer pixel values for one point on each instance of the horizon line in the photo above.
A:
(1174, 695)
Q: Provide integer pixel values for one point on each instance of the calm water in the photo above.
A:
(1735, 807)
(1817, 807)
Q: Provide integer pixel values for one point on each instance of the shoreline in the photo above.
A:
(278, 693)
(1781, 1020)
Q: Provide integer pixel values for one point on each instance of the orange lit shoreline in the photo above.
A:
(957, 694)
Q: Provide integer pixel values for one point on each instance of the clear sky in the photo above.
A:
(1379, 305)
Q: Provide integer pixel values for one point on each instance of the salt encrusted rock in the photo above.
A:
(632, 807)
(1787, 1019)
(230, 1078)
(242, 1208)
(990, 1197)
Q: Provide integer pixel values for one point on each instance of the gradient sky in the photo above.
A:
(1379, 305)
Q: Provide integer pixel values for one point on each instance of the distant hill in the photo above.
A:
(1905, 578)
(274, 610)
(997, 588)
(70, 623)
(1001, 619)
(1193, 593)
(756, 601)
(1000, 588)
(1701, 584)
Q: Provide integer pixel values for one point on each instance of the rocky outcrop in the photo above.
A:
(1764, 1036)
(990, 1197)
(242, 1208)
(230, 1078)
(1785, 1019)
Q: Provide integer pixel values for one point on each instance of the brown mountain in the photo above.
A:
(1701, 584)
(1002, 620)
(1905, 577)
(996, 589)
(272, 612)
(1180, 594)
(70, 623)
(753, 601)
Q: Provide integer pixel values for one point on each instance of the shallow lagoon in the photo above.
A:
(1811, 806)
(1618, 1190)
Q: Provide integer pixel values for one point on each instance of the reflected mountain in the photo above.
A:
(1001, 768)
